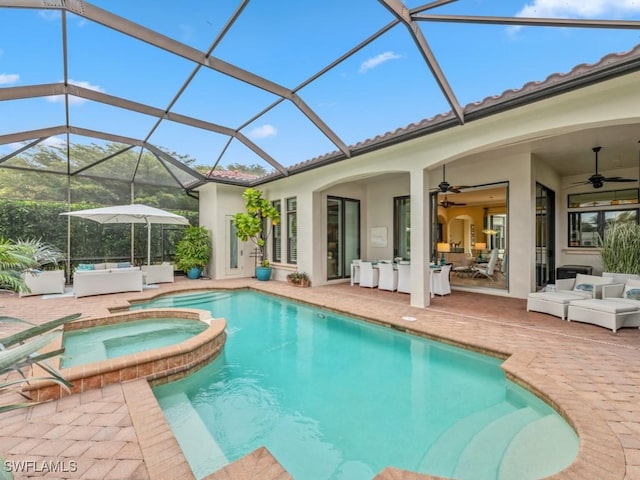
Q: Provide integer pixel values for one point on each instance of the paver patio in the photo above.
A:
(589, 374)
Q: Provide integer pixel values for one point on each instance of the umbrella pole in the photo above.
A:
(148, 242)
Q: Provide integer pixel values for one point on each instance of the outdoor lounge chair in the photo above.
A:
(567, 290)
(480, 270)
(619, 307)
(608, 313)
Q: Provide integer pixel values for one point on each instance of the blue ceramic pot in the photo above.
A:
(194, 273)
(263, 273)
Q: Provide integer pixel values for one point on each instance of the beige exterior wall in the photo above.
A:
(486, 151)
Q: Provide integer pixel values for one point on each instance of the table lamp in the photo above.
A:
(480, 247)
(443, 248)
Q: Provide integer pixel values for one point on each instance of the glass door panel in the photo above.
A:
(343, 236)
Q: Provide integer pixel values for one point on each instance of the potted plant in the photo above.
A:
(255, 224)
(620, 251)
(193, 251)
(300, 279)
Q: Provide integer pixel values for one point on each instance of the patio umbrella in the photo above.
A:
(135, 213)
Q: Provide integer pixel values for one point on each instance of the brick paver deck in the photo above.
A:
(589, 374)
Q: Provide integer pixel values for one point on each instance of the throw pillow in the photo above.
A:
(631, 289)
(84, 267)
(124, 264)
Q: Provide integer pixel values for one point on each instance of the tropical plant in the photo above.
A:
(257, 222)
(18, 353)
(621, 248)
(299, 278)
(194, 248)
(23, 256)
(13, 262)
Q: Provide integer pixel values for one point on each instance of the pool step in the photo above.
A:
(203, 452)
(191, 300)
(443, 454)
(481, 457)
(531, 455)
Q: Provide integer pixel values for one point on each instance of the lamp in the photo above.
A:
(480, 247)
(443, 248)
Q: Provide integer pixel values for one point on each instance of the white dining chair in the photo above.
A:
(404, 277)
(440, 281)
(355, 271)
(388, 277)
(369, 276)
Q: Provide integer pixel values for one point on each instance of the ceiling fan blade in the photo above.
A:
(619, 179)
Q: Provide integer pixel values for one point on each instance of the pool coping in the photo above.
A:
(600, 453)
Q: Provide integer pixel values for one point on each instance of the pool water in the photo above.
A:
(94, 344)
(336, 398)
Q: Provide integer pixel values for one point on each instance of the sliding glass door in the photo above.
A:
(343, 236)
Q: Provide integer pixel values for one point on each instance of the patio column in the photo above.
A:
(420, 235)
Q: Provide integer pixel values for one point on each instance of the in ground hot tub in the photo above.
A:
(160, 345)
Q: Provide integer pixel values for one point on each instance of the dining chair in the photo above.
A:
(404, 277)
(388, 277)
(369, 276)
(440, 281)
(355, 271)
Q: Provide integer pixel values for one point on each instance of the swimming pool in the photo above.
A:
(94, 344)
(337, 398)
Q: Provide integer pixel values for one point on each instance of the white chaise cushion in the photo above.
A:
(607, 305)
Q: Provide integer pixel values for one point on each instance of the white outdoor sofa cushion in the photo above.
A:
(40, 283)
(112, 280)
(609, 313)
(567, 290)
(158, 273)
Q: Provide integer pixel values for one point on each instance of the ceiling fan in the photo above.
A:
(597, 179)
(446, 203)
(445, 187)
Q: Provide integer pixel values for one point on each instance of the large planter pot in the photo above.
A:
(194, 273)
(263, 273)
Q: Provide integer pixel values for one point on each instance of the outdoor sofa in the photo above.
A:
(104, 278)
(43, 282)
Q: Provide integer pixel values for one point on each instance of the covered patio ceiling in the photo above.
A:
(283, 85)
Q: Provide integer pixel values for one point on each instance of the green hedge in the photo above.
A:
(90, 241)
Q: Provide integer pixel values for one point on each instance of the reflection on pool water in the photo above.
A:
(94, 344)
(337, 398)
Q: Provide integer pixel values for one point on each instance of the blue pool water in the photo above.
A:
(109, 341)
(336, 398)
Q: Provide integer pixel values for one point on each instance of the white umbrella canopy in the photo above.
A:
(135, 213)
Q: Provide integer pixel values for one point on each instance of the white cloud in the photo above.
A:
(263, 132)
(7, 78)
(580, 8)
(378, 60)
(75, 100)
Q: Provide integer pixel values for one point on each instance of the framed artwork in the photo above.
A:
(378, 236)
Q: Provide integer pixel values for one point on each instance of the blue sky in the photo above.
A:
(384, 86)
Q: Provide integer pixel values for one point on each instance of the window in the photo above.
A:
(603, 199)
(402, 227)
(586, 228)
(276, 246)
(292, 230)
